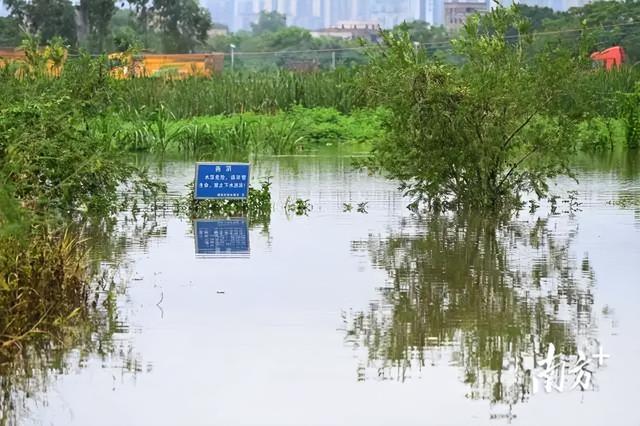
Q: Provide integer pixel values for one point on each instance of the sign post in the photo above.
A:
(222, 181)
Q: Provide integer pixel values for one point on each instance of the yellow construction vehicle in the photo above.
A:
(128, 65)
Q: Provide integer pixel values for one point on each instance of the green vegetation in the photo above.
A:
(49, 18)
(298, 207)
(257, 206)
(166, 25)
(480, 134)
(238, 136)
(296, 47)
(473, 130)
(56, 175)
(604, 23)
(264, 92)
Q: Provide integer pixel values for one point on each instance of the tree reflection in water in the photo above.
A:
(486, 298)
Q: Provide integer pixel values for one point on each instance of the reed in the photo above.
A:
(264, 92)
(236, 136)
(43, 283)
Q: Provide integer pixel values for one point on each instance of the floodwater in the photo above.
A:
(370, 317)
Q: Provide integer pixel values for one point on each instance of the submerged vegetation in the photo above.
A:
(257, 206)
(56, 176)
(459, 137)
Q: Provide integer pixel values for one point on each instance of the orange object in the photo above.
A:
(171, 66)
(611, 57)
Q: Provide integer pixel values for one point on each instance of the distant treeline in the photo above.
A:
(182, 26)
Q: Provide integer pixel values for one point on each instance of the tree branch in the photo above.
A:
(515, 166)
(518, 130)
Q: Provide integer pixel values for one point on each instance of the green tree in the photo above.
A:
(96, 16)
(49, 18)
(183, 24)
(538, 16)
(10, 33)
(476, 135)
(128, 30)
(269, 22)
(608, 23)
(435, 38)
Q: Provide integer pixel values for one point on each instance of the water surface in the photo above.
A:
(377, 318)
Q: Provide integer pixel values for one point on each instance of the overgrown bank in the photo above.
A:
(57, 174)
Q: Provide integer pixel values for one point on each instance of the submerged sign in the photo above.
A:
(222, 236)
(222, 181)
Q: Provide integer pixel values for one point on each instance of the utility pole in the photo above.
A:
(233, 58)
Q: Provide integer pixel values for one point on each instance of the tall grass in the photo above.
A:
(598, 92)
(237, 136)
(264, 92)
(43, 281)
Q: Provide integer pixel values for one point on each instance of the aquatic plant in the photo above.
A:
(55, 175)
(257, 206)
(283, 133)
(298, 206)
(44, 284)
(630, 112)
(55, 167)
(156, 134)
(600, 134)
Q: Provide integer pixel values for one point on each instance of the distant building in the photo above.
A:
(351, 30)
(390, 14)
(319, 14)
(316, 14)
(456, 12)
(306, 14)
(216, 32)
(438, 13)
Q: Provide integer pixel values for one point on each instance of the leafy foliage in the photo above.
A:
(238, 136)
(257, 206)
(264, 92)
(607, 23)
(182, 23)
(269, 22)
(630, 106)
(476, 135)
(10, 33)
(97, 15)
(47, 18)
